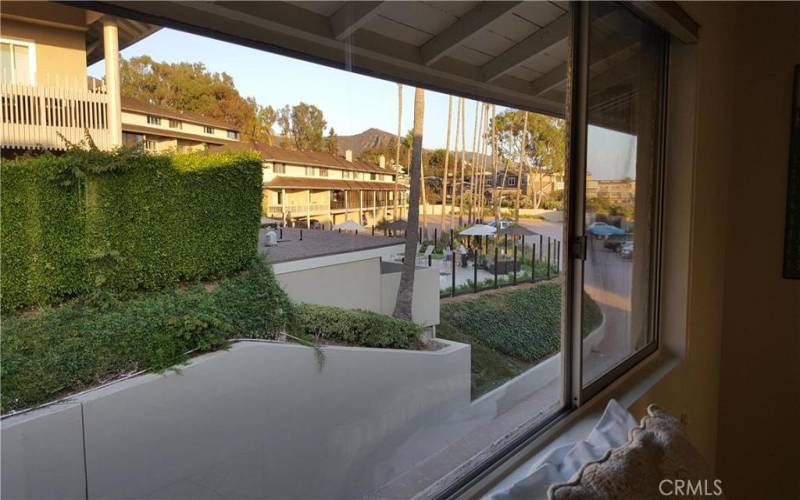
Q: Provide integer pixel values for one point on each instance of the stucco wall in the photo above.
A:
(60, 53)
(261, 420)
(352, 285)
(365, 284)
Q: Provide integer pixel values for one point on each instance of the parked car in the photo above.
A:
(603, 230)
(626, 252)
(504, 223)
(615, 242)
(303, 224)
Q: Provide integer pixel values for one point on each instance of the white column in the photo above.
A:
(308, 208)
(374, 207)
(111, 54)
(346, 205)
(330, 199)
(283, 206)
(360, 206)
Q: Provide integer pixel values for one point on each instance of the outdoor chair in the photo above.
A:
(424, 257)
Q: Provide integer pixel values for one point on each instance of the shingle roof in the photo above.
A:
(316, 159)
(141, 129)
(131, 104)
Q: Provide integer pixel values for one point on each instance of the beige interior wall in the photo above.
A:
(60, 53)
(739, 386)
(760, 381)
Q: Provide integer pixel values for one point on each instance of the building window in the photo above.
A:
(279, 168)
(175, 124)
(153, 120)
(17, 61)
(310, 171)
(150, 145)
(373, 176)
(323, 172)
(208, 130)
(356, 175)
(130, 140)
(512, 181)
(232, 134)
(345, 174)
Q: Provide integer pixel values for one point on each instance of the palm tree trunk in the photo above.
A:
(455, 165)
(424, 190)
(522, 158)
(474, 154)
(495, 197)
(446, 163)
(463, 161)
(397, 152)
(405, 292)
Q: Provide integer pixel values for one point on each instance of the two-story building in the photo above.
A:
(305, 186)
(48, 102)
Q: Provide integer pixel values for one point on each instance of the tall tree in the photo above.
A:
(307, 127)
(446, 162)
(473, 160)
(397, 152)
(331, 142)
(405, 291)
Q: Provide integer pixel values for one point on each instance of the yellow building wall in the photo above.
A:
(60, 53)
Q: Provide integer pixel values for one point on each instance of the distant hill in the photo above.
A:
(371, 138)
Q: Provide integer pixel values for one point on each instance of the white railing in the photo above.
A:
(51, 117)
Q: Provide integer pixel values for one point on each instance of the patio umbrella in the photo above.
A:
(478, 230)
(516, 230)
(349, 225)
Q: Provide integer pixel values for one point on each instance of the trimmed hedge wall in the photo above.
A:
(356, 327)
(123, 221)
(103, 335)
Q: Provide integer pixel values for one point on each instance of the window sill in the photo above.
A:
(575, 425)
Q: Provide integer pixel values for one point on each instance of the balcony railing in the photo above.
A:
(51, 118)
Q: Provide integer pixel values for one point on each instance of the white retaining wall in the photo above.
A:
(259, 420)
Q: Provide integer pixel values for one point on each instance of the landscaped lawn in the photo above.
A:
(510, 330)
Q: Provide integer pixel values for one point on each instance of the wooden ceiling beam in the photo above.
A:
(352, 16)
(476, 19)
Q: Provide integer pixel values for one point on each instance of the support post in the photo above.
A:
(495, 267)
(111, 55)
(475, 272)
(308, 208)
(533, 264)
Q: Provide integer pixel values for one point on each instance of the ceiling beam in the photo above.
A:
(550, 80)
(351, 16)
(526, 49)
(470, 23)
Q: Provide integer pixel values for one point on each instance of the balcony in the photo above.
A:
(34, 117)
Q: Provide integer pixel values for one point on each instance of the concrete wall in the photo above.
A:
(260, 420)
(365, 284)
(424, 303)
(352, 285)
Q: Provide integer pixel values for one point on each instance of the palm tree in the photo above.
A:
(455, 164)
(405, 292)
(424, 190)
(397, 151)
(522, 161)
(463, 162)
(446, 162)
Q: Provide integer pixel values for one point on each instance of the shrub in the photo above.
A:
(105, 334)
(357, 327)
(124, 220)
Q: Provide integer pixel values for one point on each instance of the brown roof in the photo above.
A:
(177, 134)
(131, 104)
(316, 159)
(321, 183)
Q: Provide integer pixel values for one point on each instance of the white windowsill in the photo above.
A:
(627, 390)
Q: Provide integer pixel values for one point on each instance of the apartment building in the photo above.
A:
(161, 130)
(49, 102)
(301, 187)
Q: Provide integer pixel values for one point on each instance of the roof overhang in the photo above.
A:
(282, 182)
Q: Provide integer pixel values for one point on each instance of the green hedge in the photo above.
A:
(357, 327)
(41, 232)
(124, 220)
(103, 334)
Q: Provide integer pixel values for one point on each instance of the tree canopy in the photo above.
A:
(544, 145)
(188, 86)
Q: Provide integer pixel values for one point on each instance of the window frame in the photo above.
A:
(153, 120)
(208, 129)
(31, 44)
(176, 124)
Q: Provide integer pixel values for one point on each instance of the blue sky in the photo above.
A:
(350, 102)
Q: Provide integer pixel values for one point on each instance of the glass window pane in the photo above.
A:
(625, 74)
(6, 63)
(22, 68)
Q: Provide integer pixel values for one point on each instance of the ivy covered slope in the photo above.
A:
(103, 335)
(124, 221)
